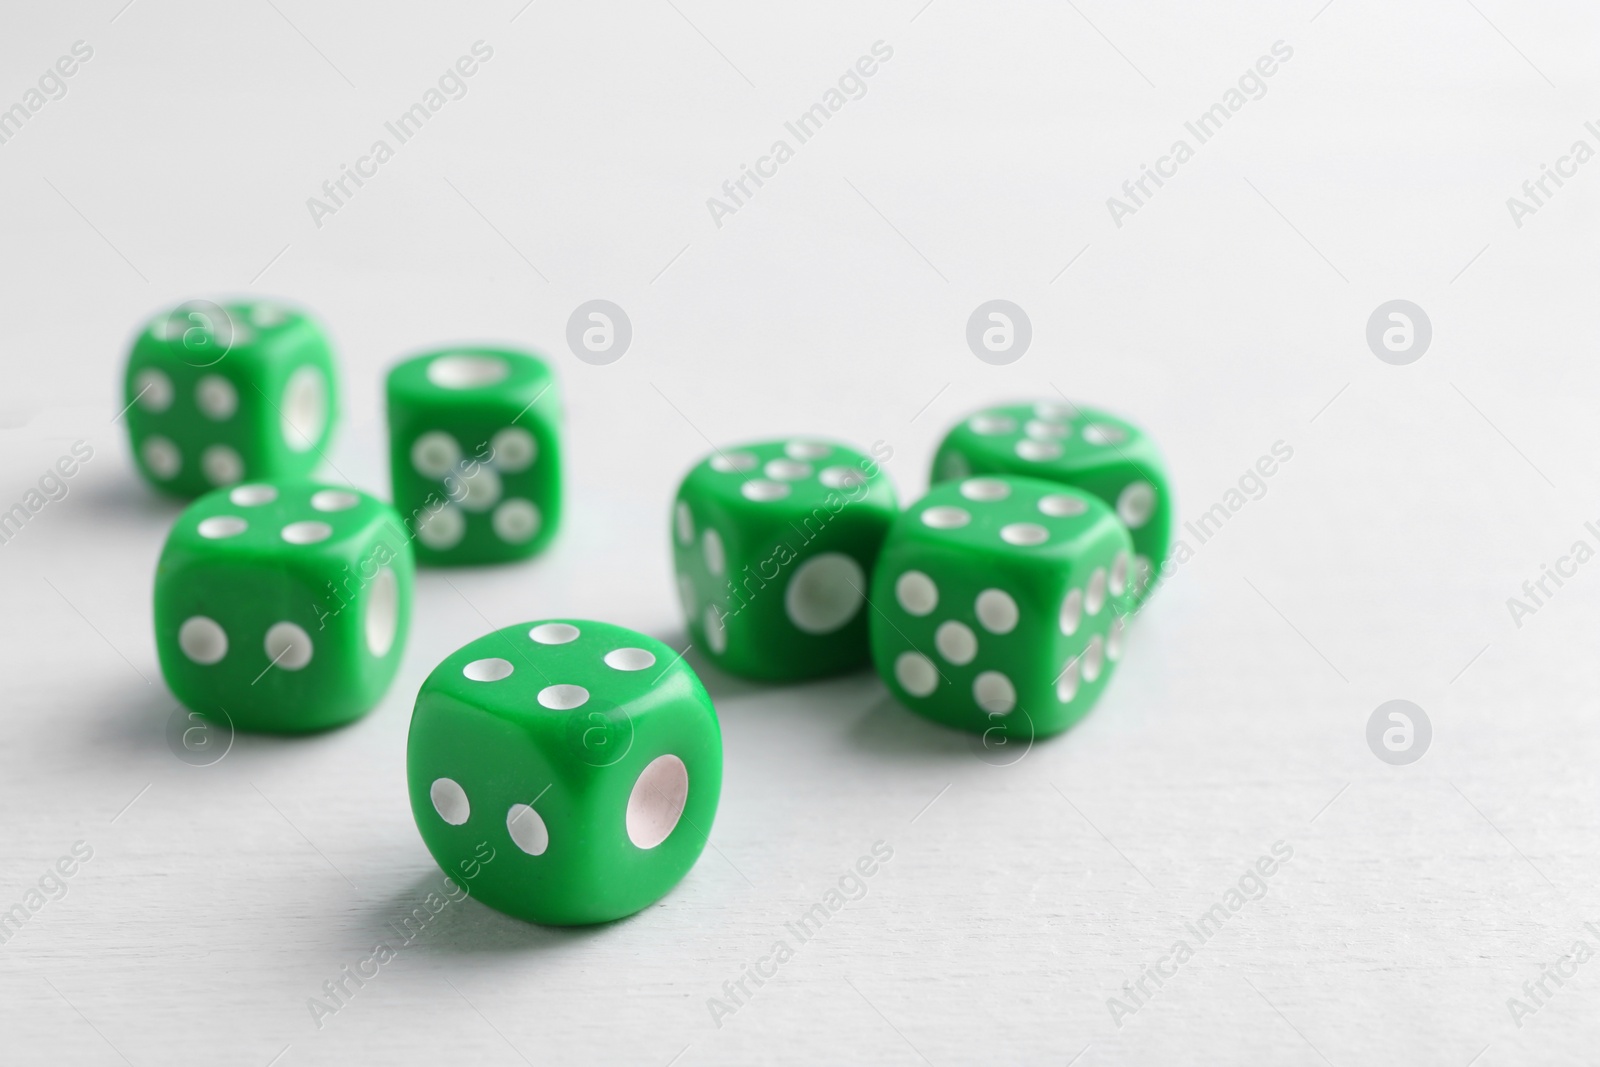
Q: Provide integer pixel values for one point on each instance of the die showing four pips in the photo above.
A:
(585, 756)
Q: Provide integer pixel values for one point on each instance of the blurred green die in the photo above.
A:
(219, 394)
(774, 545)
(1078, 446)
(475, 454)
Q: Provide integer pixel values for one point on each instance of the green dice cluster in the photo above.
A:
(998, 600)
(282, 606)
(475, 454)
(774, 544)
(1078, 446)
(572, 766)
(215, 395)
(568, 771)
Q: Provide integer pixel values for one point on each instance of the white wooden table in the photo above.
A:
(1025, 888)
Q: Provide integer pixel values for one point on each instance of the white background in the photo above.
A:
(1227, 314)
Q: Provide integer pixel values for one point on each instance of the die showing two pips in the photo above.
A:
(283, 606)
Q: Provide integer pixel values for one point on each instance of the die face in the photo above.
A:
(999, 604)
(217, 395)
(584, 757)
(283, 607)
(1077, 446)
(774, 546)
(475, 454)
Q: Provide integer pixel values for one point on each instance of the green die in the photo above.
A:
(565, 771)
(283, 606)
(216, 395)
(1000, 604)
(475, 454)
(1077, 446)
(774, 546)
